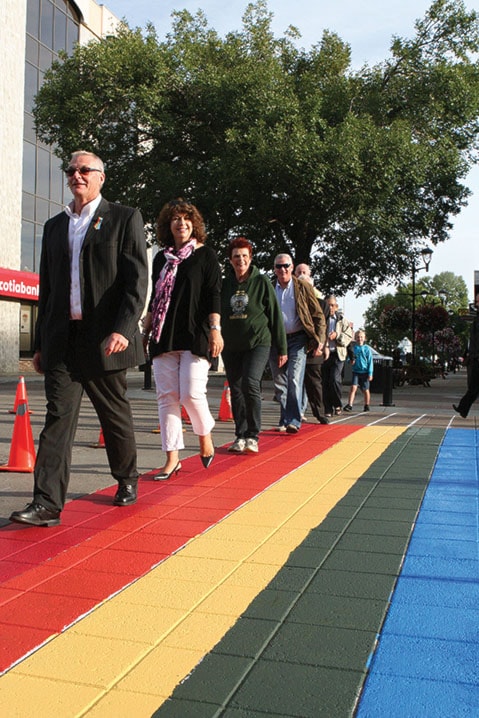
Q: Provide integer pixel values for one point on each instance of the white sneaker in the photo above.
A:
(251, 446)
(238, 446)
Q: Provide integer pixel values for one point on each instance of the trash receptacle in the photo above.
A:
(376, 385)
(387, 381)
(146, 368)
(382, 382)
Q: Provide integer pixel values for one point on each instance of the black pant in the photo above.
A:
(64, 390)
(244, 371)
(332, 371)
(313, 387)
(472, 387)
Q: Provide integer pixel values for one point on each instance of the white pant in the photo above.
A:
(181, 378)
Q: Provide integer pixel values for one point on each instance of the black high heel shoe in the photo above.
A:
(207, 460)
(164, 476)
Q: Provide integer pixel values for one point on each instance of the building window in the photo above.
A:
(51, 26)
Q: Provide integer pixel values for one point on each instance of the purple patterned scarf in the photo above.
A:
(165, 283)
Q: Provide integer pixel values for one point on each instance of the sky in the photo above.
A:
(368, 27)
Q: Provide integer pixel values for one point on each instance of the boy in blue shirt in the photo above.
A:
(362, 370)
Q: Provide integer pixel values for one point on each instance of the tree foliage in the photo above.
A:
(389, 316)
(348, 170)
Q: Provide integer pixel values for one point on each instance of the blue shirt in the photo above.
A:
(363, 357)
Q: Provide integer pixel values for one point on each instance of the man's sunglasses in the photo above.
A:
(282, 266)
(70, 171)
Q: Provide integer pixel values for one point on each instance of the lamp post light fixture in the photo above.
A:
(442, 294)
(426, 255)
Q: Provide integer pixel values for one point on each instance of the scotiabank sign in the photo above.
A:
(18, 285)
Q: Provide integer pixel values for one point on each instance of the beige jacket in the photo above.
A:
(344, 338)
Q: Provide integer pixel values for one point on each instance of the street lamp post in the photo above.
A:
(442, 294)
(426, 255)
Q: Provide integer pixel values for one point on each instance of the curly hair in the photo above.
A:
(240, 243)
(172, 209)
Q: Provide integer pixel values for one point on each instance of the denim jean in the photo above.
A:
(289, 379)
(244, 371)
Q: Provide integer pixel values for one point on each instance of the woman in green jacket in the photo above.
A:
(252, 323)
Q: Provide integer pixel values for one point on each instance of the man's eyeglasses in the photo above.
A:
(282, 266)
(70, 171)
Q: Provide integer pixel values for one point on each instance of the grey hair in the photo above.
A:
(79, 153)
(284, 254)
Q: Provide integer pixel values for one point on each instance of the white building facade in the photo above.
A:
(32, 186)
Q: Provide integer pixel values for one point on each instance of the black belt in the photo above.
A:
(295, 334)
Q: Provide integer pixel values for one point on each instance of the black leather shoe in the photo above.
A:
(35, 514)
(165, 475)
(456, 408)
(126, 495)
(207, 460)
(323, 419)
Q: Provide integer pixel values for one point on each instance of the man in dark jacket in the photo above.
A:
(305, 332)
(472, 392)
(93, 282)
(313, 386)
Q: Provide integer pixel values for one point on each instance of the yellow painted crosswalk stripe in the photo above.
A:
(127, 656)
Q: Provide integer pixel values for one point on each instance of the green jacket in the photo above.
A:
(250, 314)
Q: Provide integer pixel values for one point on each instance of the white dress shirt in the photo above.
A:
(77, 229)
(287, 303)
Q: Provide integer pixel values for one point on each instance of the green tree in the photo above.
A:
(376, 333)
(395, 321)
(433, 289)
(350, 171)
(388, 317)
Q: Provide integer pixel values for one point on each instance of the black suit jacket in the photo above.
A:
(114, 280)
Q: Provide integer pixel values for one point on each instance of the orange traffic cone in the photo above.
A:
(100, 443)
(22, 450)
(20, 395)
(225, 413)
(184, 416)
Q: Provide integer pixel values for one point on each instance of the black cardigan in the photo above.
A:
(195, 296)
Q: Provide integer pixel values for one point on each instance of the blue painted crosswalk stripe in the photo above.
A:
(427, 658)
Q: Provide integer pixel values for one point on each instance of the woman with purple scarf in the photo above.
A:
(183, 327)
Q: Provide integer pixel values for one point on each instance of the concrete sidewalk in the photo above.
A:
(281, 584)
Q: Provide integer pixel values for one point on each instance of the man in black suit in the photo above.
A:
(472, 358)
(93, 283)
